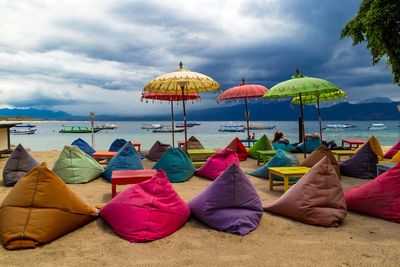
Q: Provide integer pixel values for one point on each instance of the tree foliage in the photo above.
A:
(378, 23)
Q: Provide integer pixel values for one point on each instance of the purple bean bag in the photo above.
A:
(229, 204)
(317, 198)
(362, 164)
(157, 151)
(217, 164)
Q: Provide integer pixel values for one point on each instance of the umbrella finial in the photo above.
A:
(180, 65)
(243, 81)
(298, 74)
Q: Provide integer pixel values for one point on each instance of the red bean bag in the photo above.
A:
(217, 164)
(392, 151)
(379, 197)
(237, 146)
(146, 211)
(317, 198)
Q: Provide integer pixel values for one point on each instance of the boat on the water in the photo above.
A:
(106, 126)
(77, 129)
(168, 130)
(376, 127)
(23, 131)
(25, 125)
(335, 127)
(188, 124)
(230, 127)
(151, 126)
(259, 126)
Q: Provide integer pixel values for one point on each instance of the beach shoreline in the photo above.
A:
(360, 240)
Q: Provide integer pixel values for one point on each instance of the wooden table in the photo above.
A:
(286, 173)
(261, 153)
(121, 177)
(382, 167)
(351, 142)
(103, 154)
(341, 153)
(206, 153)
(181, 144)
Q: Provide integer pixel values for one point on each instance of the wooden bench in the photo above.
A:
(121, 177)
(286, 173)
(343, 153)
(103, 154)
(137, 145)
(246, 141)
(382, 167)
(261, 153)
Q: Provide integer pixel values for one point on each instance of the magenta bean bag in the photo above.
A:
(230, 203)
(392, 151)
(379, 197)
(217, 164)
(237, 146)
(146, 211)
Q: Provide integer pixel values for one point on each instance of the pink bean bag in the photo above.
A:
(379, 197)
(217, 164)
(392, 151)
(237, 146)
(146, 211)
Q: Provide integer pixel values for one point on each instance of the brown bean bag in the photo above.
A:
(39, 209)
(193, 143)
(316, 199)
(157, 150)
(317, 155)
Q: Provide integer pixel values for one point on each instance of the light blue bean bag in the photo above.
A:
(311, 145)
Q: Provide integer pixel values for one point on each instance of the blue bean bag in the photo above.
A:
(229, 204)
(84, 146)
(311, 145)
(117, 145)
(176, 164)
(127, 158)
(284, 146)
(281, 159)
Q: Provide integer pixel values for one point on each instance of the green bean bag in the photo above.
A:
(262, 144)
(75, 166)
(176, 164)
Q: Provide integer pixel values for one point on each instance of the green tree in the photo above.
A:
(378, 23)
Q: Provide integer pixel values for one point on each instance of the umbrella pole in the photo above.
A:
(247, 121)
(172, 122)
(320, 120)
(184, 116)
(302, 126)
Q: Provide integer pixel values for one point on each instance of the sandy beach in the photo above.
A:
(278, 241)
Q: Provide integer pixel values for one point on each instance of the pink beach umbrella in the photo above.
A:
(244, 91)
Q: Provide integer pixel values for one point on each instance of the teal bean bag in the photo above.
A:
(311, 145)
(281, 159)
(127, 158)
(176, 164)
(282, 145)
(75, 166)
(262, 144)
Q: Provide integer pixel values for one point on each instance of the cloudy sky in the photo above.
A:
(82, 56)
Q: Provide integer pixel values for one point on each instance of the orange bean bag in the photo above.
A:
(39, 209)
(317, 155)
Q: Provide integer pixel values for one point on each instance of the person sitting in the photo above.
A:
(280, 142)
(313, 141)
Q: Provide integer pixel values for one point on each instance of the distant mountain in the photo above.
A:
(262, 111)
(375, 100)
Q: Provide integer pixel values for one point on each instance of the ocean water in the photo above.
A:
(48, 137)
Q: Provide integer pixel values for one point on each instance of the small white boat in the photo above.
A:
(335, 127)
(230, 127)
(106, 126)
(168, 130)
(376, 127)
(259, 126)
(23, 131)
(152, 126)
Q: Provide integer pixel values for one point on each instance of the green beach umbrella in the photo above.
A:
(317, 98)
(300, 86)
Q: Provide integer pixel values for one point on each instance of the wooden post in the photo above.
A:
(172, 122)
(247, 121)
